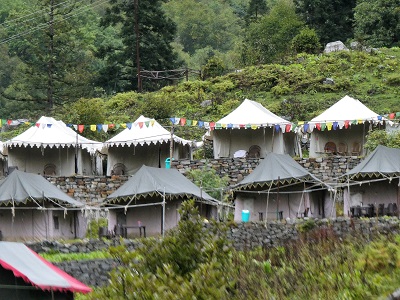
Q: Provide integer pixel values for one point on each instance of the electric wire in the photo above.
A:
(16, 20)
(46, 24)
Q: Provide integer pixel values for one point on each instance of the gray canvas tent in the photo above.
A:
(375, 180)
(33, 208)
(280, 187)
(26, 275)
(152, 197)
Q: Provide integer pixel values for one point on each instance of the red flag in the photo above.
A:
(80, 128)
(140, 125)
(346, 124)
(182, 121)
(318, 126)
(391, 116)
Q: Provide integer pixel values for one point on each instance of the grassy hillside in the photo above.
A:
(295, 89)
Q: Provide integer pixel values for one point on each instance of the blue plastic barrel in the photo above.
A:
(245, 215)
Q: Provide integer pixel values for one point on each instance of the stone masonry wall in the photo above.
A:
(244, 236)
(94, 189)
(324, 168)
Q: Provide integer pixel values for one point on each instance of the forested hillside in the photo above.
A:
(90, 62)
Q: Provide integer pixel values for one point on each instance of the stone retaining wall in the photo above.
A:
(94, 189)
(325, 168)
(243, 236)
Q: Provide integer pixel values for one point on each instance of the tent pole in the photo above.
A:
(273, 138)
(171, 145)
(277, 201)
(398, 198)
(163, 216)
(76, 154)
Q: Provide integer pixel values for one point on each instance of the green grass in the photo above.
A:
(61, 257)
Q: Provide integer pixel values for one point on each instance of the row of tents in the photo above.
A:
(53, 148)
(278, 188)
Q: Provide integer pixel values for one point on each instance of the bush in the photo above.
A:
(93, 227)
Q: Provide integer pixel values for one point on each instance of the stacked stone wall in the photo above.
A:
(243, 236)
(94, 189)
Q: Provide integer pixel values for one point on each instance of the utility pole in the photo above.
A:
(139, 79)
(50, 63)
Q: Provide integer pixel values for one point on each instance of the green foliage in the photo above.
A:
(214, 67)
(188, 263)
(332, 20)
(306, 226)
(381, 137)
(268, 39)
(306, 41)
(93, 227)
(377, 22)
(60, 257)
(209, 180)
(256, 9)
(156, 32)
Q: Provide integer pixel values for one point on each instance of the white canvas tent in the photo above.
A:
(251, 124)
(51, 148)
(279, 185)
(153, 196)
(374, 181)
(146, 142)
(33, 208)
(344, 123)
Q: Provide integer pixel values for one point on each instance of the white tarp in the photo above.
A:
(146, 142)
(265, 130)
(51, 142)
(347, 112)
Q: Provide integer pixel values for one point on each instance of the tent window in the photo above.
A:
(56, 222)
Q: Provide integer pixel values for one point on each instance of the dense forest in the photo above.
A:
(109, 61)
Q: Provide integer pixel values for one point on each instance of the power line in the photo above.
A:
(4, 24)
(44, 25)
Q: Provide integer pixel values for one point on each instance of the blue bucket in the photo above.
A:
(245, 215)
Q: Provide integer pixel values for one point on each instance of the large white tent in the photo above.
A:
(345, 123)
(251, 124)
(50, 147)
(145, 142)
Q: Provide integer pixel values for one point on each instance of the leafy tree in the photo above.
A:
(214, 67)
(306, 41)
(269, 39)
(209, 180)
(256, 9)
(332, 19)
(155, 34)
(53, 48)
(208, 23)
(381, 137)
(377, 22)
(189, 263)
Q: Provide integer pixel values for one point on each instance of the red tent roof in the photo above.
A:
(34, 269)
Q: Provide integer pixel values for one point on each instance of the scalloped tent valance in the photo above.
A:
(49, 133)
(144, 131)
